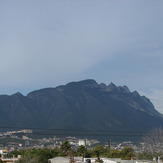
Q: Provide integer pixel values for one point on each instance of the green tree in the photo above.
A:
(99, 160)
(146, 155)
(44, 154)
(38, 155)
(66, 147)
(81, 151)
(114, 154)
(28, 159)
(15, 153)
(127, 153)
(98, 150)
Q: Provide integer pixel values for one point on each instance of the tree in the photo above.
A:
(145, 155)
(81, 151)
(99, 160)
(28, 159)
(98, 150)
(15, 153)
(152, 142)
(114, 154)
(38, 155)
(65, 147)
(127, 153)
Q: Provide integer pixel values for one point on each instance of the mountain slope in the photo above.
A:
(81, 105)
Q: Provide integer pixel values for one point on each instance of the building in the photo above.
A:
(82, 142)
(65, 160)
(9, 160)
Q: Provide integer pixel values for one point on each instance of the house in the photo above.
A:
(65, 160)
(93, 160)
(9, 160)
(117, 160)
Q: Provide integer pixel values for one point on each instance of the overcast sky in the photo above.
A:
(46, 43)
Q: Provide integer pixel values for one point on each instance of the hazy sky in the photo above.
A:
(46, 43)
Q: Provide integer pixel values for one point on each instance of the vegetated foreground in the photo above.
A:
(151, 146)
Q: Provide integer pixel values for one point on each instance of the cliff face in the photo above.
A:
(83, 105)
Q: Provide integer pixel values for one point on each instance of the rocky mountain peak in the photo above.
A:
(136, 94)
(18, 94)
(112, 87)
(84, 83)
(124, 89)
(103, 86)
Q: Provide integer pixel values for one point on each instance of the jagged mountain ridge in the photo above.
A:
(84, 104)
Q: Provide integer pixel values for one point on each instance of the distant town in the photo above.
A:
(12, 142)
(22, 139)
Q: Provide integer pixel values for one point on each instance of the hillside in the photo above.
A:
(80, 105)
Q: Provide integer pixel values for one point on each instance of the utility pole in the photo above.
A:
(109, 143)
(54, 141)
(159, 158)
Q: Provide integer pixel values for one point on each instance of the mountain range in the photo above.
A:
(81, 105)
